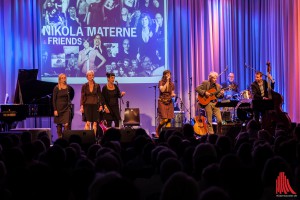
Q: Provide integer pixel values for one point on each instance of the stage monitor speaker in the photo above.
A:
(35, 132)
(87, 137)
(179, 119)
(226, 116)
(231, 129)
(127, 135)
(131, 117)
(179, 129)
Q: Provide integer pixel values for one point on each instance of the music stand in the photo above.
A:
(228, 103)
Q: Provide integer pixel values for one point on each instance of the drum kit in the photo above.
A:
(242, 111)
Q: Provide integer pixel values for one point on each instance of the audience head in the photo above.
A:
(180, 186)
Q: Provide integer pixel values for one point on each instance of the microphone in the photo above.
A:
(117, 82)
(154, 86)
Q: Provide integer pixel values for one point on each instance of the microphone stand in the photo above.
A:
(35, 109)
(49, 100)
(190, 98)
(120, 102)
(226, 68)
(182, 105)
(70, 107)
(254, 69)
(155, 109)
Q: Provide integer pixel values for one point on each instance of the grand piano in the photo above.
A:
(33, 98)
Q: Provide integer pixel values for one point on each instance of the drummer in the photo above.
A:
(232, 92)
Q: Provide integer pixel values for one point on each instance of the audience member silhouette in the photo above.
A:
(176, 166)
(180, 186)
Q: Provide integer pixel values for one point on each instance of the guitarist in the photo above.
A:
(210, 89)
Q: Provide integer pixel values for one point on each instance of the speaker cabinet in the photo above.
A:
(87, 137)
(226, 116)
(127, 135)
(131, 117)
(178, 120)
(35, 132)
(179, 129)
(231, 129)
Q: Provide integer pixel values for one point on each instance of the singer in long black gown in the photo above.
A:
(111, 94)
(62, 105)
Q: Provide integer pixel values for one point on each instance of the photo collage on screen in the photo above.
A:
(126, 37)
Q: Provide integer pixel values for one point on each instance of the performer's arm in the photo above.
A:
(54, 101)
(201, 89)
(164, 87)
(82, 99)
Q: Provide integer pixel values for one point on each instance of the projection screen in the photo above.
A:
(126, 37)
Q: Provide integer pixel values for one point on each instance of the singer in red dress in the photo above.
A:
(62, 105)
(165, 105)
(111, 94)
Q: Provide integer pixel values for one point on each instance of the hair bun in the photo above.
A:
(109, 74)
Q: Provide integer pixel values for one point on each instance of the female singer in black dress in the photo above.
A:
(62, 105)
(111, 94)
(91, 102)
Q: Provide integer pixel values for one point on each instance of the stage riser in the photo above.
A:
(87, 136)
(34, 133)
(229, 129)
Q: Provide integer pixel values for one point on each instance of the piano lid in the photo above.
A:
(29, 90)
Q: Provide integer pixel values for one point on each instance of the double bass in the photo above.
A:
(275, 117)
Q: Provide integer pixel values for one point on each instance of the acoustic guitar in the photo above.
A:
(204, 100)
(200, 126)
